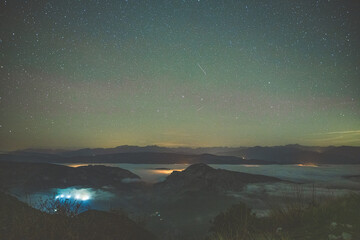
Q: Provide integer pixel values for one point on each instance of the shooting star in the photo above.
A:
(201, 69)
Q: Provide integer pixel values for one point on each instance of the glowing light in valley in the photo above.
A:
(165, 171)
(75, 165)
(84, 198)
(307, 165)
(76, 194)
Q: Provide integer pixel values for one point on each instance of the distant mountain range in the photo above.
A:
(288, 154)
(130, 157)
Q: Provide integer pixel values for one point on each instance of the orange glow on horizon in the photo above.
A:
(165, 171)
(307, 165)
(75, 165)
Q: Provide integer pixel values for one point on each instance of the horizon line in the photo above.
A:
(168, 147)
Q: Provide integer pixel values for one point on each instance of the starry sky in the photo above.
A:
(103, 73)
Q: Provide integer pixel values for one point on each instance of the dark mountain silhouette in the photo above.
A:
(132, 157)
(43, 176)
(129, 149)
(288, 154)
(152, 148)
(201, 177)
(291, 154)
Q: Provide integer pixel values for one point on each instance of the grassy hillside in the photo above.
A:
(331, 219)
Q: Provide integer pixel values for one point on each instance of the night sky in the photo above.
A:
(179, 73)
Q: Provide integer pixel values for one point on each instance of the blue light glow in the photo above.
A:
(76, 194)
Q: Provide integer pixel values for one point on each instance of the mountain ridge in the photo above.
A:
(287, 154)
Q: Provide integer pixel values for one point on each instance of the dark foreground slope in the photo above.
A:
(40, 176)
(19, 221)
(188, 200)
(331, 218)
